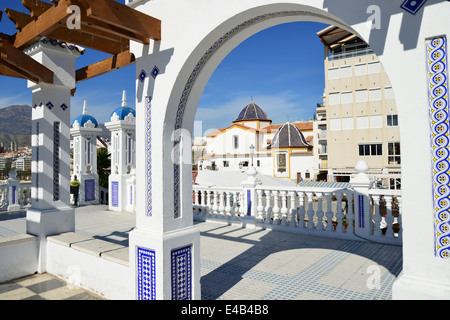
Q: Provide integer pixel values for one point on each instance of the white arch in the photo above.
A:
(191, 28)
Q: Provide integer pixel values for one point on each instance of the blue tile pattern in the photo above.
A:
(155, 72)
(89, 190)
(115, 193)
(181, 273)
(142, 76)
(56, 160)
(64, 106)
(148, 141)
(193, 77)
(439, 118)
(37, 159)
(361, 210)
(146, 274)
(50, 105)
(413, 6)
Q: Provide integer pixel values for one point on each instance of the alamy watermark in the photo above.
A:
(74, 20)
(373, 281)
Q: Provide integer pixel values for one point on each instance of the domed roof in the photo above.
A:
(85, 120)
(288, 136)
(252, 112)
(123, 111)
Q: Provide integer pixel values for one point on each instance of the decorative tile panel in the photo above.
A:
(440, 151)
(361, 210)
(115, 193)
(155, 72)
(146, 274)
(64, 107)
(142, 76)
(50, 105)
(37, 159)
(89, 190)
(413, 6)
(193, 77)
(181, 274)
(148, 141)
(56, 160)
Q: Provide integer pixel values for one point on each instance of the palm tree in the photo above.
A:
(103, 166)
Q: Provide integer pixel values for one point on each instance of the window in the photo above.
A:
(334, 98)
(347, 123)
(394, 152)
(373, 67)
(258, 163)
(388, 93)
(392, 120)
(235, 142)
(346, 72)
(361, 95)
(360, 69)
(346, 97)
(281, 161)
(362, 122)
(226, 164)
(335, 124)
(375, 149)
(376, 121)
(375, 94)
(333, 73)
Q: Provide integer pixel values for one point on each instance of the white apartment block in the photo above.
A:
(358, 120)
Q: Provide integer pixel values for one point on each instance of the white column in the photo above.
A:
(50, 212)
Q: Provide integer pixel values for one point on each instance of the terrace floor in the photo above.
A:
(240, 264)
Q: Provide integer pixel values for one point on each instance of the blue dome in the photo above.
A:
(85, 118)
(122, 112)
(252, 112)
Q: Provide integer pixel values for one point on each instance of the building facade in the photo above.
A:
(361, 119)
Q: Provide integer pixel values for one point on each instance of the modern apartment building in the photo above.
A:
(358, 119)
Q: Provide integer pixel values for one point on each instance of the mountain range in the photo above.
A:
(15, 125)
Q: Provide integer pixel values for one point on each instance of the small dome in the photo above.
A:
(84, 119)
(252, 112)
(288, 136)
(122, 111)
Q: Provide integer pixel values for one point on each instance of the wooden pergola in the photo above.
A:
(106, 26)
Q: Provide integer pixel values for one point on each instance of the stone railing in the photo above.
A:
(14, 195)
(354, 213)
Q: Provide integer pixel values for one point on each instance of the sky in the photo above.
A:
(281, 69)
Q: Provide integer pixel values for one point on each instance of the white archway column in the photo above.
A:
(164, 246)
(50, 212)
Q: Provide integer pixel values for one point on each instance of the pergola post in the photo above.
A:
(50, 212)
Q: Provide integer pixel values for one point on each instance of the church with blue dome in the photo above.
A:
(276, 150)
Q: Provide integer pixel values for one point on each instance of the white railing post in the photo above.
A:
(349, 214)
(320, 212)
(260, 207)
(228, 204)
(339, 214)
(268, 207)
(293, 221)
(310, 211)
(284, 208)
(276, 208)
(301, 209)
(376, 216)
(329, 214)
(389, 217)
(13, 192)
(363, 214)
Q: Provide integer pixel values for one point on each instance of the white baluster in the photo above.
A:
(208, 203)
(301, 210)
(329, 214)
(243, 207)
(196, 205)
(349, 214)
(260, 207)
(228, 205)
(389, 217)
(284, 209)
(215, 206)
(399, 218)
(276, 208)
(377, 216)
(310, 211)
(221, 203)
(268, 207)
(339, 214)
(235, 208)
(293, 221)
(319, 213)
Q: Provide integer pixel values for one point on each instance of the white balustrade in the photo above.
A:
(320, 211)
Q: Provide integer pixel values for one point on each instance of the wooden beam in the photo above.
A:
(19, 62)
(121, 60)
(124, 17)
(4, 71)
(44, 24)
(36, 7)
(19, 18)
(90, 41)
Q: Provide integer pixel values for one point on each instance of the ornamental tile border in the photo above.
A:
(439, 122)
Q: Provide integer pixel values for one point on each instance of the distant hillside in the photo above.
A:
(15, 125)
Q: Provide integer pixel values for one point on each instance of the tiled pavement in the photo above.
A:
(243, 264)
